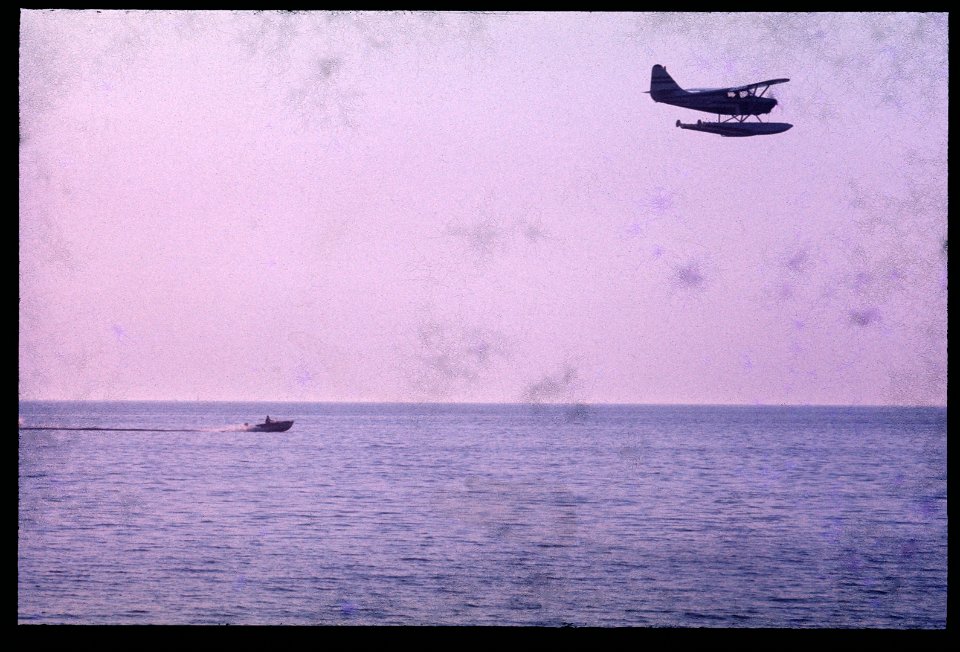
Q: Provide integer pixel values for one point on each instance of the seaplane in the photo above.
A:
(737, 103)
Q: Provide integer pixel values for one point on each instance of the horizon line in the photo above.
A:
(517, 403)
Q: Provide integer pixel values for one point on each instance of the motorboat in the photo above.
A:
(270, 426)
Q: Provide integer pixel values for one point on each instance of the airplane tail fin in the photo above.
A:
(662, 84)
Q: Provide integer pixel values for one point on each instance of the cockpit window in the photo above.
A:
(731, 93)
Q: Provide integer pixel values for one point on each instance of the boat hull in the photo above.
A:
(273, 426)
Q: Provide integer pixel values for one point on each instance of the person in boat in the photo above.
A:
(268, 418)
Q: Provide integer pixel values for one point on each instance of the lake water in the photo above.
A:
(484, 514)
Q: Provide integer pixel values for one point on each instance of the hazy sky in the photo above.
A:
(479, 207)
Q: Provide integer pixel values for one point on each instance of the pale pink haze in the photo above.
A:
(424, 206)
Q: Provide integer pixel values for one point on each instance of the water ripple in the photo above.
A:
(445, 515)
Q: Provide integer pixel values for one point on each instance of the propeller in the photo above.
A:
(772, 96)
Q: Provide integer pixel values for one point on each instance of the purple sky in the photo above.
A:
(465, 207)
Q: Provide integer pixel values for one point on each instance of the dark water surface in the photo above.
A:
(484, 514)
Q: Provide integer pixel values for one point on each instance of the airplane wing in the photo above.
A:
(769, 82)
